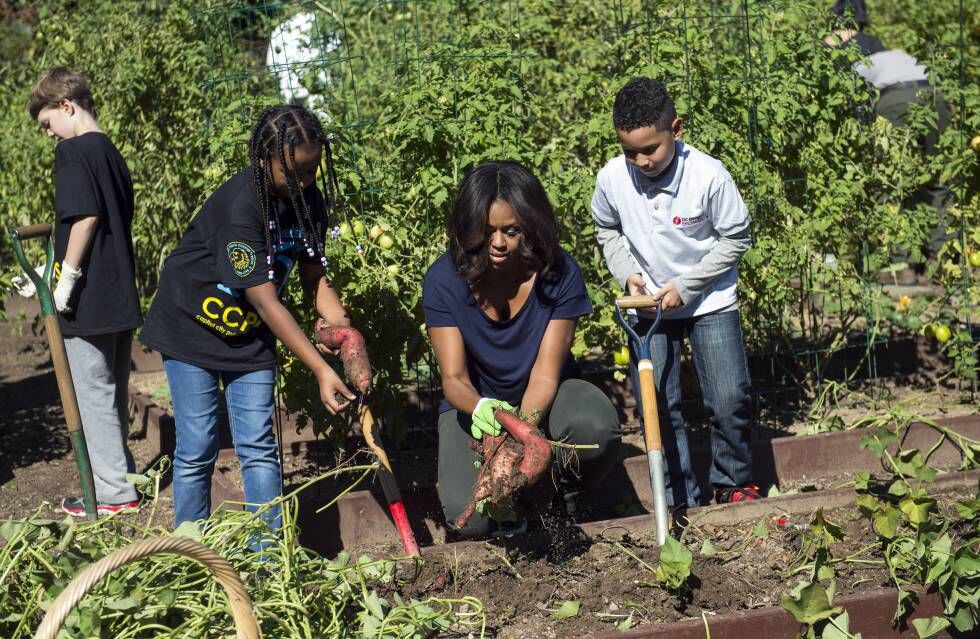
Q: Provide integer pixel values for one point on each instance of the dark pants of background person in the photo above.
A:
(580, 414)
(723, 372)
(893, 105)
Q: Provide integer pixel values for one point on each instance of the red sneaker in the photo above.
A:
(734, 494)
(75, 507)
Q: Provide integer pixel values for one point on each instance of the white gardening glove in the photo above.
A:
(25, 285)
(66, 284)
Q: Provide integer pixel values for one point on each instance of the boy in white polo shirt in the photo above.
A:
(672, 224)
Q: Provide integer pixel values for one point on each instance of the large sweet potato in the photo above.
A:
(353, 352)
(513, 460)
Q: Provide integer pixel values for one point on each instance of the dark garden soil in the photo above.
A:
(37, 466)
(522, 588)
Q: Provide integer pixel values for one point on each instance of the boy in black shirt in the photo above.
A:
(95, 271)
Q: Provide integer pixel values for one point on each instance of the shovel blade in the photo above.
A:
(656, 466)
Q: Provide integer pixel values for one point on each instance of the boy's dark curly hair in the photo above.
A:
(643, 102)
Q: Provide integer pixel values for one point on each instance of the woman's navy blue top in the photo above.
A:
(500, 355)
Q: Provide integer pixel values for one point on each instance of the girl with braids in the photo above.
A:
(217, 313)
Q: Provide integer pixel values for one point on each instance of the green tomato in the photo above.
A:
(358, 227)
(386, 241)
(942, 333)
(344, 229)
(975, 259)
(622, 356)
(375, 231)
(393, 269)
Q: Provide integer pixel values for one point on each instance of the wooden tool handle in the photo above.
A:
(637, 301)
(34, 230)
(367, 429)
(62, 373)
(651, 416)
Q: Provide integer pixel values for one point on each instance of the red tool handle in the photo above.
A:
(388, 485)
(397, 509)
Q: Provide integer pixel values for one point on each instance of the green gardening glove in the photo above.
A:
(483, 419)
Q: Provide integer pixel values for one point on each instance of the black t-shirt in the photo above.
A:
(91, 178)
(200, 314)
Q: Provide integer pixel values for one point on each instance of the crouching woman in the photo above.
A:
(500, 307)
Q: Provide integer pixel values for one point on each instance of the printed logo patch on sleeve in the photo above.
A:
(242, 258)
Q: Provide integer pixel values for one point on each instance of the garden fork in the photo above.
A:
(648, 397)
(59, 357)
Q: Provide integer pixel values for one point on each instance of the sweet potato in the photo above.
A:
(513, 460)
(353, 352)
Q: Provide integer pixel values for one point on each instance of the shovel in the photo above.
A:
(388, 484)
(648, 397)
(56, 343)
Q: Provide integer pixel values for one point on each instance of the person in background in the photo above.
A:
(95, 269)
(901, 81)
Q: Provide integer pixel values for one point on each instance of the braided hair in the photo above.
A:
(278, 132)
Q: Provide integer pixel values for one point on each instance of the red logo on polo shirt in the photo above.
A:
(687, 221)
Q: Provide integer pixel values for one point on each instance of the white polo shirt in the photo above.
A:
(670, 223)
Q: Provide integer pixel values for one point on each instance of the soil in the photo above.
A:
(37, 465)
(522, 588)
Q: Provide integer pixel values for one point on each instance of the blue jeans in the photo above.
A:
(723, 372)
(249, 397)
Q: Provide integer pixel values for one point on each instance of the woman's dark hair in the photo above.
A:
(643, 102)
(278, 132)
(467, 229)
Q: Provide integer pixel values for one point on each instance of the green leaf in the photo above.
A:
(867, 504)
(968, 509)
(906, 604)
(966, 562)
(898, 488)
(862, 480)
(707, 549)
(963, 619)
(839, 627)
(625, 624)
(373, 604)
(825, 531)
(917, 510)
(675, 564)
(930, 627)
(567, 609)
(886, 522)
(811, 604)
(166, 598)
(189, 529)
(140, 481)
(120, 603)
